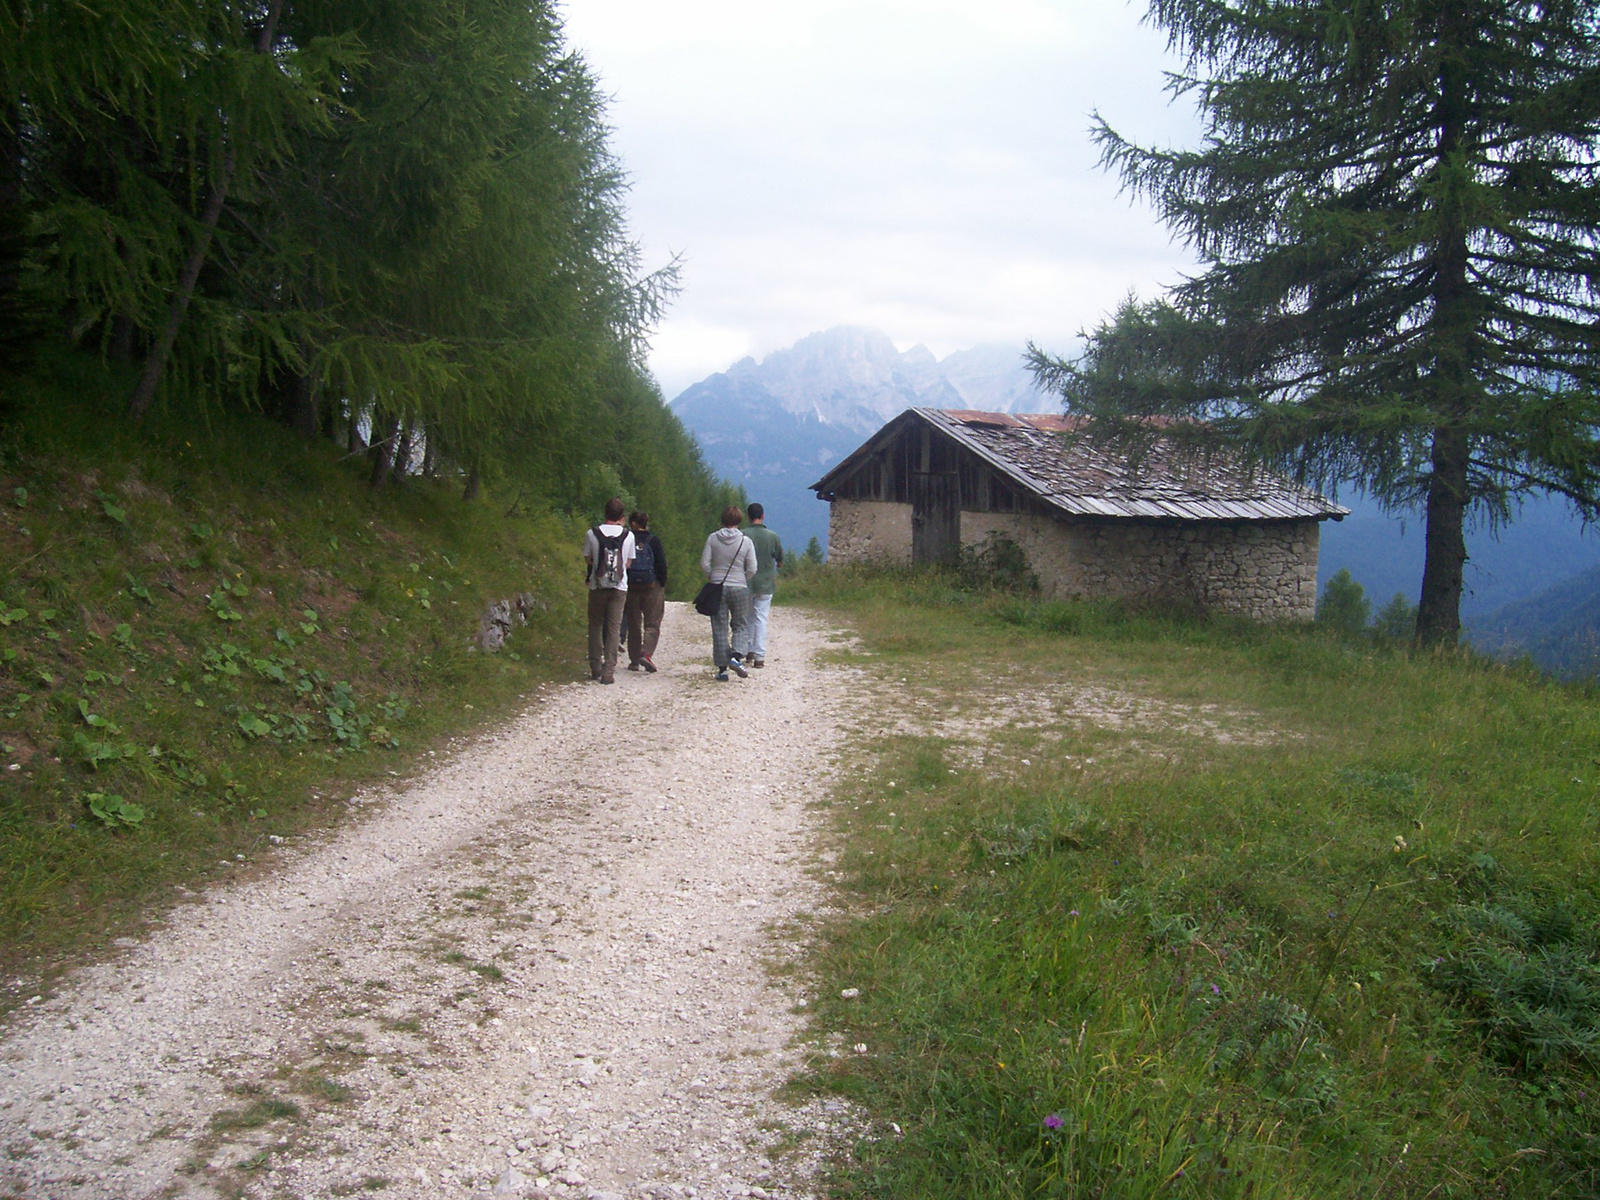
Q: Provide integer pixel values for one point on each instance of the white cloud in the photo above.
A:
(921, 166)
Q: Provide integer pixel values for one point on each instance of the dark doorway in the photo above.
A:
(935, 517)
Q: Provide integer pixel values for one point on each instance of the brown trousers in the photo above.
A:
(646, 604)
(605, 630)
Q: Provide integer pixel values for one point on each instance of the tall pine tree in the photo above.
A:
(1397, 209)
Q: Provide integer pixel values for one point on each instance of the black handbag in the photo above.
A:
(709, 600)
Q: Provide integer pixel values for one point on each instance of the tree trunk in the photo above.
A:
(329, 415)
(122, 338)
(353, 442)
(402, 455)
(156, 362)
(1452, 333)
(12, 221)
(382, 452)
(22, 317)
(474, 481)
(304, 417)
(1444, 542)
(307, 418)
(430, 455)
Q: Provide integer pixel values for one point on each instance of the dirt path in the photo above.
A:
(543, 968)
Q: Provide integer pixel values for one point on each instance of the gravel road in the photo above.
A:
(545, 967)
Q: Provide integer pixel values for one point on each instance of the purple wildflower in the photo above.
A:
(1073, 913)
(1054, 1121)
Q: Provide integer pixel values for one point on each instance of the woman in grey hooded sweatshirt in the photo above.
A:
(730, 559)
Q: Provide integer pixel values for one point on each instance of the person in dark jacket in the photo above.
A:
(647, 594)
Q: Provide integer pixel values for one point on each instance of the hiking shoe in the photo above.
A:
(634, 666)
(738, 667)
(608, 679)
(758, 663)
(722, 677)
(647, 664)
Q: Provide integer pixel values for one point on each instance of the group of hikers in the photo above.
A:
(627, 578)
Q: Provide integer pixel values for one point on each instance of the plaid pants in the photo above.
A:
(730, 628)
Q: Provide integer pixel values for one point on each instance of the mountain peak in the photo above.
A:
(855, 379)
(778, 425)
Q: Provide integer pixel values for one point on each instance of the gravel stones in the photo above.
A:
(519, 976)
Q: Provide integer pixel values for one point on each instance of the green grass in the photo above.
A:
(261, 1112)
(206, 648)
(1290, 916)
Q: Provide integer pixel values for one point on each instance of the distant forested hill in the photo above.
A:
(1559, 628)
(1544, 546)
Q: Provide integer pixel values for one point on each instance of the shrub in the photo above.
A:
(1344, 607)
(1396, 620)
(996, 564)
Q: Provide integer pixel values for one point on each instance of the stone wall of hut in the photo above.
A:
(869, 531)
(1263, 570)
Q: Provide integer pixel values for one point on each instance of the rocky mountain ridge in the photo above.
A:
(777, 425)
(857, 379)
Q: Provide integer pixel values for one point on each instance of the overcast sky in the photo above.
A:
(922, 167)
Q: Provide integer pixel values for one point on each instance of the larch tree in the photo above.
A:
(1396, 207)
(399, 220)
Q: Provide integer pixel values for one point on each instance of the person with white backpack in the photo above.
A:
(608, 549)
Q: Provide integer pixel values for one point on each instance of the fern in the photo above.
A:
(1528, 974)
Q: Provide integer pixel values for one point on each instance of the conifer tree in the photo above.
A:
(1397, 210)
(399, 219)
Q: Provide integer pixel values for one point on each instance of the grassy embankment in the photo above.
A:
(1162, 908)
(203, 648)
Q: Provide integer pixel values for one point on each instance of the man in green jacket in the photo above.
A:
(769, 557)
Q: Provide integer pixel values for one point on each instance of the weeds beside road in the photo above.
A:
(1140, 907)
(199, 655)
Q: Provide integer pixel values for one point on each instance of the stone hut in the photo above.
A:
(1092, 524)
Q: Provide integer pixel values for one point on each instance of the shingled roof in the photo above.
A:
(1079, 478)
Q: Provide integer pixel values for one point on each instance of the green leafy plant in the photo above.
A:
(96, 751)
(253, 726)
(1528, 971)
(113, 811)
(111, 508)
(95, 720)
(219, 604)
(1276, 1046)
